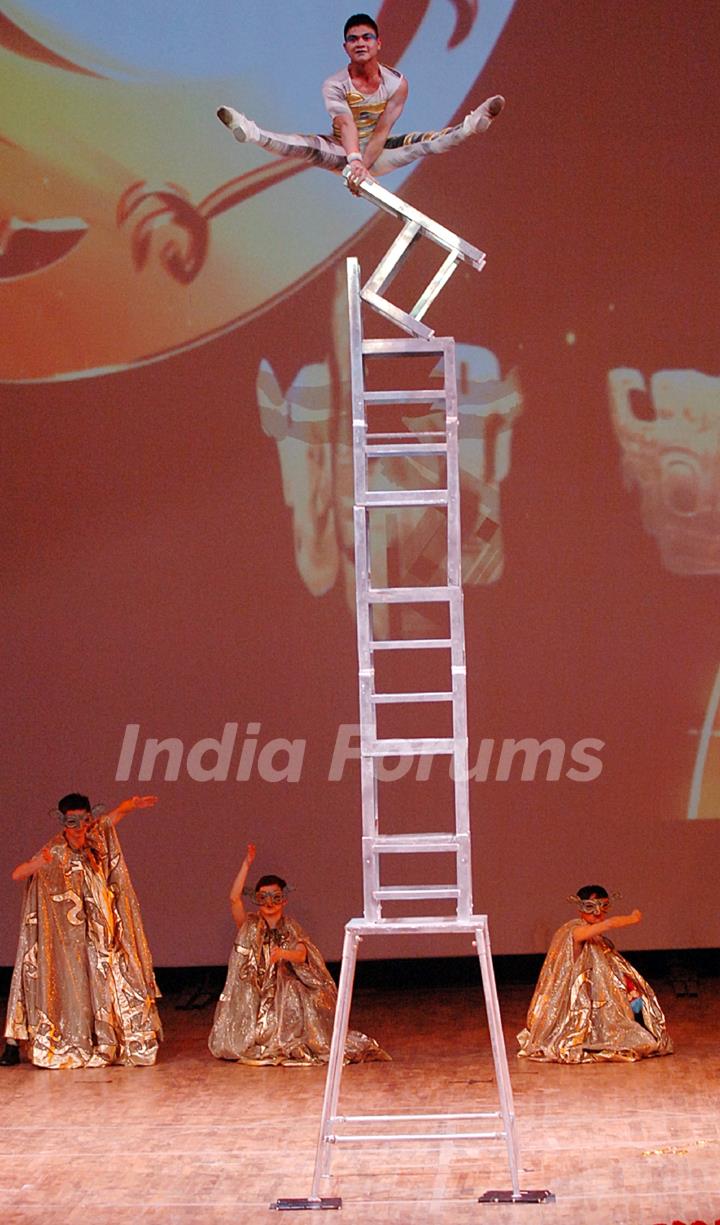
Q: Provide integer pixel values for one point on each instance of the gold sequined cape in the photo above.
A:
(580, 1012)
(83, 990)
(281, 1013)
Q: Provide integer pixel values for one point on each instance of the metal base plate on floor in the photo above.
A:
(523, 1197)
(328, 1204)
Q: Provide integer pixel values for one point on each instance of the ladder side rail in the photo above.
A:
(461, 788)
(461, 793)
(368, 721)
(499, 1052)
(366, 671)
(454, 565)
(326, 1135)
(361, 527)
(463, 874)
(357, 380)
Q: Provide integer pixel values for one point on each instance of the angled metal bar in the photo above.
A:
(435, 286)
(393, 259)
(431, 229)
(401, 318)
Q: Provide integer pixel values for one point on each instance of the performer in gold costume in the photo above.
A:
(83, 991)
(590, 1005)
(278, 1003)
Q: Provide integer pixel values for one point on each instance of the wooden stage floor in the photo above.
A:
(195, 1140)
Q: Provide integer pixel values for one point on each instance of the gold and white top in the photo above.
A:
(341, 97)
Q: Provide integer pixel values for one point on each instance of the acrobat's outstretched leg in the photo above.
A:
(400, 150)
(318, 150)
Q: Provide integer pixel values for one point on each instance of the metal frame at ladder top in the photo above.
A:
(369, 445)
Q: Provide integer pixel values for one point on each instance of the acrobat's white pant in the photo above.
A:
(327, 152)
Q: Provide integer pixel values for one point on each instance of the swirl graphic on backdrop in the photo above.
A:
(122, 238)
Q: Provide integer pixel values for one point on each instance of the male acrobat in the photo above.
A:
(364, 101)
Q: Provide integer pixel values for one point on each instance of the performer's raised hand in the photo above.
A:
(237, 905)
(138, 801)
(595, 928)
(624, 920)
(126, 806)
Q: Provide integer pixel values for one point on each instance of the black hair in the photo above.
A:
(589, 891)
(72, 801)
(271, 880)
(359, 19)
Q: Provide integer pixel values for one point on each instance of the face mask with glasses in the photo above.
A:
(595, 905)
(269, 898)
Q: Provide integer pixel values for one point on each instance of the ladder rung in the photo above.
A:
(387, 698)
(408, 892)
(407, 448)
(408, 748)
(400, 346)
(403, 397)
(409, 595)
(404, 497)
(406, 434)
(402, 844)
(407, 644)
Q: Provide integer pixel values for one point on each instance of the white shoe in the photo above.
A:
(241, 127)
(480, 119)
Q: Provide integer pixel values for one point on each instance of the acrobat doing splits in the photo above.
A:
(364, 101)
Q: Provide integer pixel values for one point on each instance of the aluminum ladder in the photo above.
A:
(370, 445)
